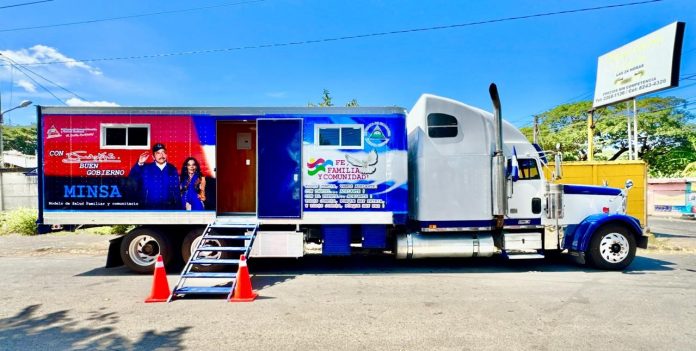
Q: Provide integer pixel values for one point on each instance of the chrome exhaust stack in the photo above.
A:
(499, 178)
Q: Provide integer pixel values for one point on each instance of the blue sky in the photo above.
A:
(537, 63)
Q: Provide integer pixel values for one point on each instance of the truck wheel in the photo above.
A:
(191, 242)
(140, 247)
(612, 247)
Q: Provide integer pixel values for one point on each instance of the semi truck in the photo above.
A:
(443, 179)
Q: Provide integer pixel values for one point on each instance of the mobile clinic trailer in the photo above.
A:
(317, 169)
(444, 180)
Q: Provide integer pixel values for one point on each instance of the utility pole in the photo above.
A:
(590, 135)
(630, 137)
(635, 129)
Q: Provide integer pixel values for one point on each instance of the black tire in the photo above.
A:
(140, 247)
(613, 247)
(190, 240)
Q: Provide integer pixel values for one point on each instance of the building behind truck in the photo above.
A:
(443, 180)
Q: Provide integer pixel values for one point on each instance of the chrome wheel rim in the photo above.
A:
(614, 247)
(143, 250)
(209, 243)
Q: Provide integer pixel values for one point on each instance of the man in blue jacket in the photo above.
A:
(158, 182)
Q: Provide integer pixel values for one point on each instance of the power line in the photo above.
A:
(37, 83)
(24, 4)
(685, 102)
(663, 92)
(41, 85)
(19, 66)
(687, 76)
(349, 37)
(129, 16)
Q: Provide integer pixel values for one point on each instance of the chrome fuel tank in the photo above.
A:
(418, 245)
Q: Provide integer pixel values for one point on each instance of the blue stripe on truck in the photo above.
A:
(590, 190)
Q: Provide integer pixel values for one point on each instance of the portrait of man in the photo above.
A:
(158, 181)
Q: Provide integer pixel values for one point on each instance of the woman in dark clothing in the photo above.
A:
(192, 185)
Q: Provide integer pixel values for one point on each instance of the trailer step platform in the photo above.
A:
(529, 254)
(525, 256)
(209, 276)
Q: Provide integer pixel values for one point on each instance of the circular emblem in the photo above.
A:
(377, 134)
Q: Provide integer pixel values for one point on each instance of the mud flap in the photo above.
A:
(578, 257)
(113, 258)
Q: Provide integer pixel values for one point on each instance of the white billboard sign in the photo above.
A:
(642, 66)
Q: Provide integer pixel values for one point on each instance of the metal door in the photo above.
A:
(236, 167)
(279, 148)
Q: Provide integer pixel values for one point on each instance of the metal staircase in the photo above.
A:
(217, 276)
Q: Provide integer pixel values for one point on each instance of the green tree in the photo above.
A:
(564, 124)
(20, 138)
(327, 101)
(352, 103)
(666, 133)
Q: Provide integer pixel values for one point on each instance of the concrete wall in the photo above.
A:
(671, 197)
(17, 190)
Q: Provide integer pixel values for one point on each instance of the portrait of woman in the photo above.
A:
(192, 185)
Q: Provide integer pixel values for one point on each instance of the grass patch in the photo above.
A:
(20, 221)
(121, 228)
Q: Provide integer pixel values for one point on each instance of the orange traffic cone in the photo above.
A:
(242, 291)
(160, 286)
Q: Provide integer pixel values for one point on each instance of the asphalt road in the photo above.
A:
(67, 301)
(679, 232)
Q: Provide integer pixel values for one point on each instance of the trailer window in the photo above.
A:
(335, 136)
(125, 136)
(442, 125)
(351, 136)
(527, 168)
(329, 137)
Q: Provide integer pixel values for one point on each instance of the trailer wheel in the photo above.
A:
(612, 247)
(140, 247)
(191, 242)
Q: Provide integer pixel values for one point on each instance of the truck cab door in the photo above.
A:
(524, 194)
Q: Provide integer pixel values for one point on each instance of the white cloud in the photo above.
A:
(80, 102)
(42, 53)
(26, 85)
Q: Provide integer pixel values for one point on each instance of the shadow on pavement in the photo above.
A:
(260, 282)
(268, 272)
(29, 329)
(105, 272)
(643, 264)
(389, 265)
